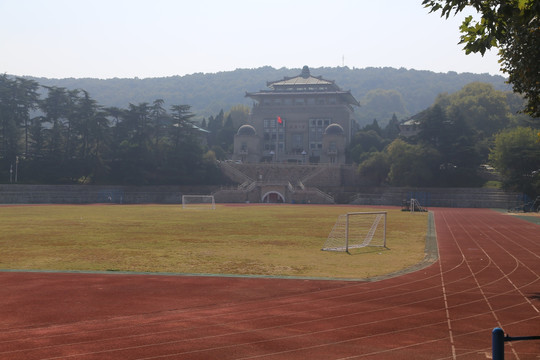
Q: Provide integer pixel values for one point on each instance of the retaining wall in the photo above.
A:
(439, 197)
(87, 194)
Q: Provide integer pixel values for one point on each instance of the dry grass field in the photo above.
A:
(273, 240)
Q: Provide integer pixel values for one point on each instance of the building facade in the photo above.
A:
(302, 119)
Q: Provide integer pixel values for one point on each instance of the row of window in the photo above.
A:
(312, 146)
(315, 134)
(268, 137)
(313, 123)
(332, 100)
(304, 88)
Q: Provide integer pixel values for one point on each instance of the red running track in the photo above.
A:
(488, 275)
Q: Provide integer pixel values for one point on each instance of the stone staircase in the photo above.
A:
(289, 182)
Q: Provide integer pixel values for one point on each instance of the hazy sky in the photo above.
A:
(155, 38)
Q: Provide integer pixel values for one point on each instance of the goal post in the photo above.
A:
(356, 230)
(198, 202)
(415, 206)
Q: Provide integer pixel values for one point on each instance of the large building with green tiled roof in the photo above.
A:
(298, 119)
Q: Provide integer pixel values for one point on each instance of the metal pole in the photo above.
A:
(497, 344)
(347, 234)
(16, 168)
(384, 233)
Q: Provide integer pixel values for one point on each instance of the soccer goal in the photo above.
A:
(206, 202)
(356, 230)
(415, 206)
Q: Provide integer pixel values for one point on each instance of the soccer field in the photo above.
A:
(272, 240)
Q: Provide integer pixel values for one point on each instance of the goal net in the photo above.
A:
(356, 230)
(198, 202)
(414, 206)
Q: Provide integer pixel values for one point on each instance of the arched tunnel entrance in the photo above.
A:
(273, 197)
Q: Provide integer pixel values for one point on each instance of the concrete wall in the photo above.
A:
(429, 197)
(87, 194)
(439, 197)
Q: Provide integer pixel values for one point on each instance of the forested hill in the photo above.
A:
(380, 91)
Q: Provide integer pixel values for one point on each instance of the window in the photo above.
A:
(297, 142)
(316, 131)
(269, 123)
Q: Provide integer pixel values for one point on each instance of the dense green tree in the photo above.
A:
(27, 100)
(182, 126)
(374, 126)
(75, 140)
(239, 115)
(18, 97)
(9, 124)
(513, 26)
(516, 155)
(434, 126)
(55, 108)
(412, 165)
(135, 163)
(219, 152)
(37, 136)
(186, 154)
(363, 143)
(93, 138)
(158, 116)
(482, 107)
(225, 138)
(375, 168)
(455, 141)
(214, 126)
(391, 130)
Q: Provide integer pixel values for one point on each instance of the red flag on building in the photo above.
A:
(279, 121)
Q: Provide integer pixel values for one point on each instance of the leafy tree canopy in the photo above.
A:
(480, 106)
(513, 26)
(516, 155)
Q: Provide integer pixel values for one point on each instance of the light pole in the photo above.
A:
(16, 168)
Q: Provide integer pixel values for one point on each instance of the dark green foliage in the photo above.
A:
(375, 168)
(516, 154)
(513, 26)
(72, 139)
(364, 142)
(455, 138)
